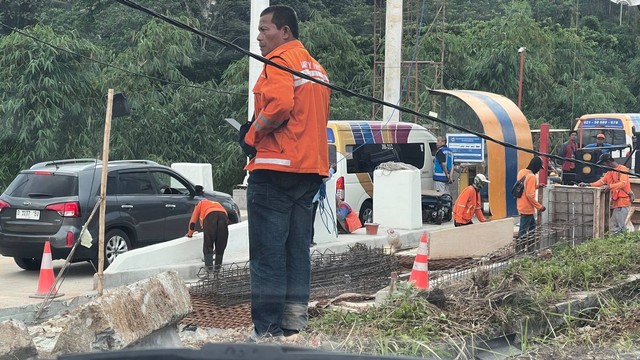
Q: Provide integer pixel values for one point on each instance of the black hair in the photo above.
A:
(283, 16)
(573, 132)
(535, 164)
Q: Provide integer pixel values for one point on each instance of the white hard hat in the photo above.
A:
(483, 178)
(479, 181)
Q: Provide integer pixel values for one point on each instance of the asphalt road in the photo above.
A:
(17, 285)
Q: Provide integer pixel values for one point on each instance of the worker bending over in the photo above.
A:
(469, 203)
(214, 223)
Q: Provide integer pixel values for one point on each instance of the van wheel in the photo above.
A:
(366, 212)
(28, 263)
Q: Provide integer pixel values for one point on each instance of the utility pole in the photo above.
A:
(521, 51)
(392, 59)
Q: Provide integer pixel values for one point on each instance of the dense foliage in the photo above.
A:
(55, 72)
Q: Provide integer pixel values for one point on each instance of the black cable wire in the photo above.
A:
(119, 68)
(266, 61)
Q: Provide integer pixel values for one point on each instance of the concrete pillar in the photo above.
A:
(255, 66)
(392, 59)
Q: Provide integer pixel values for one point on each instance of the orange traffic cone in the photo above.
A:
(420, 272)
(47, 279)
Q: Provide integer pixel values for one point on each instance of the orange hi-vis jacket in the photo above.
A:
(291, 114)
(618, 184)
(527, 203)
(467, 204)
(204, 208)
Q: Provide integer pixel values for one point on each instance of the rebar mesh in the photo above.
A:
(538, 242)
(359, 269)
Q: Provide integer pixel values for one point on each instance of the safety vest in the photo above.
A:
(439, 173)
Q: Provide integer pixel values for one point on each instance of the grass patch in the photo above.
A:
(417, 323)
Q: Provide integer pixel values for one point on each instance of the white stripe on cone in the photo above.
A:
(423, 248)
(47, 261)
(420, 266)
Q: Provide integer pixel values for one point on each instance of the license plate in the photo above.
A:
(28, 214)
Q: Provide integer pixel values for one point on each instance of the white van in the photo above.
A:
(357, 147)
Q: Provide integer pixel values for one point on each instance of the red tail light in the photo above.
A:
(68, 209)
(43, 173)
(4, 205)
(340, 187)
(69, 238)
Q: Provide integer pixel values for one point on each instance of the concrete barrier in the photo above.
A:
(471, 241)
(182, 255)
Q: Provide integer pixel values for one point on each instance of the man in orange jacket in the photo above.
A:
(213, 221)
(469, 203)
(527, 203)
(289, 135)
(620, 187)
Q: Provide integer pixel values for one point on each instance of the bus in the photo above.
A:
(358, 147)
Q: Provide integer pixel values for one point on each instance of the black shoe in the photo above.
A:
(287, 332)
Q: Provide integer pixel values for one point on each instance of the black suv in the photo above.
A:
(147, 203)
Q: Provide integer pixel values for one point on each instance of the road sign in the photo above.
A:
(466, 147)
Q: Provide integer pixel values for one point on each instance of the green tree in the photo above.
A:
(47, 106)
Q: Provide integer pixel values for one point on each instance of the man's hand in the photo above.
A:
(543, 209)
(605, 187)
(450, 180)
(582, 184)
(540, 186)
(187, 235)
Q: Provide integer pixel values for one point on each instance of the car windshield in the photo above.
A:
(43, 185)
(613, 137)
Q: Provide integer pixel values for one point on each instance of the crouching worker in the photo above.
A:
(348, 221)
(213, 221)
(469, 203)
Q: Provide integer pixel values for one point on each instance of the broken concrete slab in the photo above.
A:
(15, 341)
(124, 315)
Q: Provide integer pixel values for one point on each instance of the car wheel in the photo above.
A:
(366, 212)
(28, 263)
(116, 243)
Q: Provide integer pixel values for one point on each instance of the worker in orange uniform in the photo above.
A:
(527, 203)
(469, 203)
(213, 221)
(620, 187)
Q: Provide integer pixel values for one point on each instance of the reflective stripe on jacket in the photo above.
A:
(618, 184)
(204, 208)
(527, 203)
(467, 205)
(291, 115)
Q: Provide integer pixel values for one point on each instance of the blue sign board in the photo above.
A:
(602, 123)
(466, 147)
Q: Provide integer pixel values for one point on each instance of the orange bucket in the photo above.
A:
(372, 228)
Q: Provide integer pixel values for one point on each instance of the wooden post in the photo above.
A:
(544, 172)
(103, 190)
